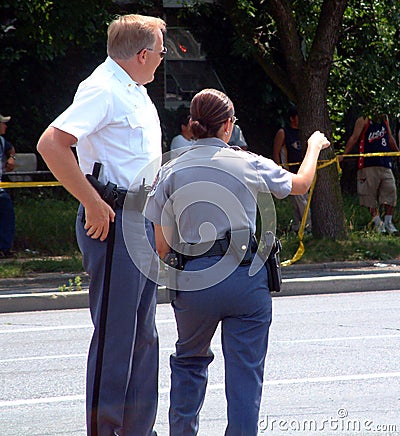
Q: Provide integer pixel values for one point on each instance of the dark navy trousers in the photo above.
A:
(7, 221)
(243, 306)
(128, 393)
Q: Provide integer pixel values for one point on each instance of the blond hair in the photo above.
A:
(128, 34)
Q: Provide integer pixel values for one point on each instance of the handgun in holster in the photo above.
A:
(108, 192)
(175, 261)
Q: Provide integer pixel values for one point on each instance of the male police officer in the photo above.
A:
(113, 122)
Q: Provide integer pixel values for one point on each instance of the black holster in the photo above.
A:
(108, 192)
(175, 261)
(115, 197)
(272, 262)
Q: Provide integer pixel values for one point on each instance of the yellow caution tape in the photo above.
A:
(300, 251)
(322, 164)
(6, 185)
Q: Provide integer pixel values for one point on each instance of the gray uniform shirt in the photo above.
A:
(212, 188)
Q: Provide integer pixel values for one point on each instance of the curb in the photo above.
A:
(40, 281)
(38, 301)
(335, 284)
(44, 301)
(41, 291)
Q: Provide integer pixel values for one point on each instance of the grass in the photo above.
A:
(363, 243)
(45, 235)
(45, 222)
(23, 267)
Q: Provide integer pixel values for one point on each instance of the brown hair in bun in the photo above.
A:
(209, 109)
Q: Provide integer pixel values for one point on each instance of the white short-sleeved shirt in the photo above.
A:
(116, 124)
(213, 183)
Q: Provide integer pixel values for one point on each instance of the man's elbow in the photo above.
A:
(43, 144)
(41, 147)
(54, 139)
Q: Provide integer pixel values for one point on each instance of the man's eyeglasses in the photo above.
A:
(162, 53)
(233, 119)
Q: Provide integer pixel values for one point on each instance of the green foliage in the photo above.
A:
(45, 224)
(259, 105)
(366, 69)
(46, 49)
(363, 243)
(24, 266)
(73, 285)
(48, 29)
(47, 221)
(365, 72)
(10, 270)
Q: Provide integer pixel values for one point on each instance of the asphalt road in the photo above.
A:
(332, 368)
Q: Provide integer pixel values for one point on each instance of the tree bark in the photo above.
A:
(309, 76)
(326, 204)
(304, 80)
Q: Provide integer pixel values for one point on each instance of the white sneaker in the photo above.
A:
(380, 227)
(391, 228)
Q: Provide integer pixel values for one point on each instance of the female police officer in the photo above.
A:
(201, 202)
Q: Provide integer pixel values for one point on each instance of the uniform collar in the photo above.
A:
(215, 142)
(123, 76)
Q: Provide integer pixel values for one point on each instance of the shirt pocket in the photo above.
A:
(137, 123)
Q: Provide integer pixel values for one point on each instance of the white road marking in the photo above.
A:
(56, 356)
(68, 327)
(215, 346)
(46, 329)
(213, 387)
(335, 339)
(361, 277)
(31, 401)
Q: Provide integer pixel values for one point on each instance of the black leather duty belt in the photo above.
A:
(219, 248)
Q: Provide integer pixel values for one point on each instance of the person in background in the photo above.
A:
(376, 185)
(7, 215)
(116, 129)
(287, 149)
(237, 138)
(211, 205)
(184, 139)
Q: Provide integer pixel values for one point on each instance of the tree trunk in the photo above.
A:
(304, 80)
(326, 204)
(309, 75)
